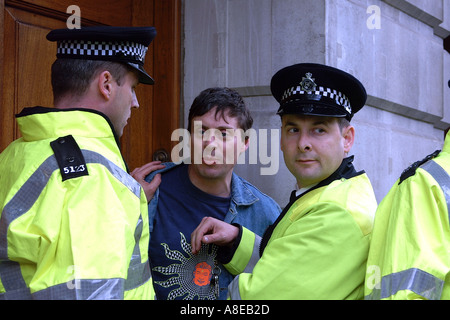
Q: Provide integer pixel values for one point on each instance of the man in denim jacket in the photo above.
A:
(207, 186)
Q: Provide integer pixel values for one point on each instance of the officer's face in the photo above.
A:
(123, 100)
(314, 147)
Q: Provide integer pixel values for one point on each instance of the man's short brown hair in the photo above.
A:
(72, 77)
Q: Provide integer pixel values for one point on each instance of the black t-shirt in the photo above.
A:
(176, 272)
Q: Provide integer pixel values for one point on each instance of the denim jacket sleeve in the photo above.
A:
(154, 202)
(250, 207)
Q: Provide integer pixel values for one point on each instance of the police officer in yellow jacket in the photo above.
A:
(317, 248)
(409, 255)
(73, 222)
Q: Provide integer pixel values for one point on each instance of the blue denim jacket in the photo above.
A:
(249, 207)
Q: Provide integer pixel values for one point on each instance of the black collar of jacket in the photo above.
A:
(346, 170)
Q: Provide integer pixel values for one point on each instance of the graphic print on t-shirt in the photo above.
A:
(191, 274)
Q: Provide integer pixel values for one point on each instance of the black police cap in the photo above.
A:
(318, 90)
(126, 45)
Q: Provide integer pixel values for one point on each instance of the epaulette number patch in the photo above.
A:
(74, 169)
(69, 157)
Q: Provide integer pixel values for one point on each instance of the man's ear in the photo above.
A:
(104, 84)
(246, 143)
(244, 140)
(349, 138)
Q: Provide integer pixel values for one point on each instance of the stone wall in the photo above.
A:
(395, 47)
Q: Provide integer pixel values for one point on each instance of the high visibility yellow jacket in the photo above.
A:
(409, 255)
(74, 223)
(317, 249)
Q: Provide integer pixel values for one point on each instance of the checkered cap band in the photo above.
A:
(338, 97)
(131, 51)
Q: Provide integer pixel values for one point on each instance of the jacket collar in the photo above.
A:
(38, 123)
(241, 193)
(346, 170)
(60, 122)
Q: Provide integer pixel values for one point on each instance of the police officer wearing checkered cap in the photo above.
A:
(74, 223)
(83, 54)
(318, 246)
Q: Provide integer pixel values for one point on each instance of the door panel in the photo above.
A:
(27, 57)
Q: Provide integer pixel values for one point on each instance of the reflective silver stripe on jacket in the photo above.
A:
(21, 203)
(442, 178)
(233, 287)
(416, 280)
(255, 255)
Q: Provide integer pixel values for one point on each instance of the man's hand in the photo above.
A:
(140, 173)
(214, 231)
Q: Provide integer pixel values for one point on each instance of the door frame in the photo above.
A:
(147, 131)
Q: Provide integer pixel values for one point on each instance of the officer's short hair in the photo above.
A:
(343, 123)
(72, 77)
(226, 100)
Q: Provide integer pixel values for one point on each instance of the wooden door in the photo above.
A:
(26, 57)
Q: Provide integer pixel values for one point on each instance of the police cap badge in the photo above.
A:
(315, 89)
